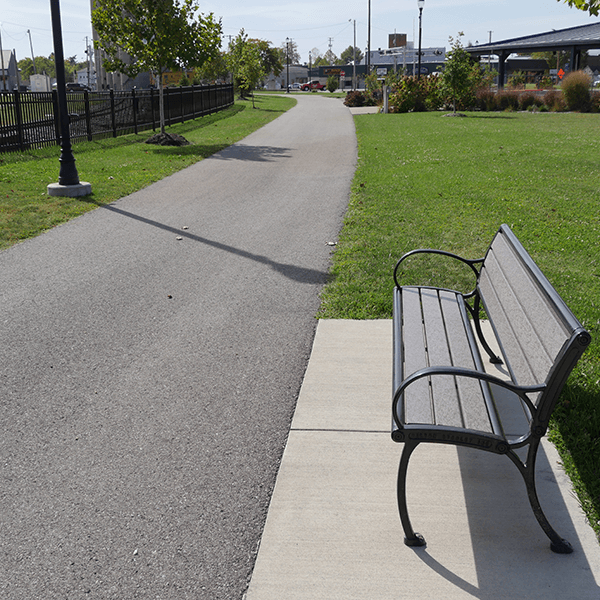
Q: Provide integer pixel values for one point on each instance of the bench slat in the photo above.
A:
(446, 404)
(417, 399)
(533, 334)
(475, 414)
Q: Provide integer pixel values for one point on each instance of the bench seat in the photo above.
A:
(441, 390)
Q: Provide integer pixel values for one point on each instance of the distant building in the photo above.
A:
(9, 71)
(40, 83)
(87, 77)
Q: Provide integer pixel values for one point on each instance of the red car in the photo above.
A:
(312, 85)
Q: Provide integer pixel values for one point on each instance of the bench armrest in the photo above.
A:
(519, 390)
(471, 263)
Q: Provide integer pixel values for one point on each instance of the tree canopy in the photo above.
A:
(592, 6)
(157, 35)
(347, 55)
(47, 65)
(250, 60)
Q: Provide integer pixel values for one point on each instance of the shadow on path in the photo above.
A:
(299, 274)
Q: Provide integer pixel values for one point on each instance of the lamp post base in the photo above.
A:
(72, 191)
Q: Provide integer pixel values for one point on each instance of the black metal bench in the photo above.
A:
(442, 393)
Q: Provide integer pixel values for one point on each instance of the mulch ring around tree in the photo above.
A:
(167, 139)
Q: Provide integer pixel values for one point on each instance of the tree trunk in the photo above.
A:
(161, 103)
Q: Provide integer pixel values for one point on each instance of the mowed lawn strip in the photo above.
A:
(428, 181)
(115, 166)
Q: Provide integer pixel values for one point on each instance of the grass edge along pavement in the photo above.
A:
(425, 181)
(115, 167)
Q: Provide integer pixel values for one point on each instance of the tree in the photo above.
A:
(347, 55)
(593, 6)
(460, 77)
(156, 36)
(289, 50)
(270, 57)
(328, 59)
(213, 69)
(245, 61)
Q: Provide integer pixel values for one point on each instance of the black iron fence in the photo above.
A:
(31, 119)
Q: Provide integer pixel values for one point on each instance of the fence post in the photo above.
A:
(134, 103)
(88, 115)
(167, 104)
(181, 103)
(113, 116)
(56, 116)
(19, 116)
(152, 108)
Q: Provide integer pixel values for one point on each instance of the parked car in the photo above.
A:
(76, 87)
(312, 85)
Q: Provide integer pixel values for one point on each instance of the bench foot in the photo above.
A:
(418, 540)
(563, 547)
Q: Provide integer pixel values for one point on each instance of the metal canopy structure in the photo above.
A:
(575, 39)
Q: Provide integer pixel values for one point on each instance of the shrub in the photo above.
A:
(508, 100)
(554, 101)
(576, 91)
(526, 101)
(486, 99)
(332, 83)
(354, 99)
(544, 83)
(409, 95)
(517, 80)
(595, 102)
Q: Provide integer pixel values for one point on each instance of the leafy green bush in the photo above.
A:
(332, 83)
(595, 102)
(409, 95)
(517, 80)
(576, 91)
(413, 94)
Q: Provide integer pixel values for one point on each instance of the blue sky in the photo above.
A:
(310, 23)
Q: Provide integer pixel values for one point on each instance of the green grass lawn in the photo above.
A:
(428, 181)
(115, 167)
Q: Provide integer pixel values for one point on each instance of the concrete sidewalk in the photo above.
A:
(333, 530)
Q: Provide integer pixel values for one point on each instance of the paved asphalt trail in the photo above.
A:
(147, 383)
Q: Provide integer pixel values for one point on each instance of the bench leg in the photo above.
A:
(411, 538)
(558, 544)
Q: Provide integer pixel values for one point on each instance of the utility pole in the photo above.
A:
(330, 51)
(2, 59)
(32, 54)
(369, 42)
(87, 51)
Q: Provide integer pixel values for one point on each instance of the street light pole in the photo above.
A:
(421, 3)
(369, 42)
(354, 59)
(287, 60)
(68, 178)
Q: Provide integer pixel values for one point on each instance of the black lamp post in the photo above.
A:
(68, 178)
(287, 60)
(68, 172)
(421, 3)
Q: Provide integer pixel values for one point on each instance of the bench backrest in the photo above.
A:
(540, 337)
